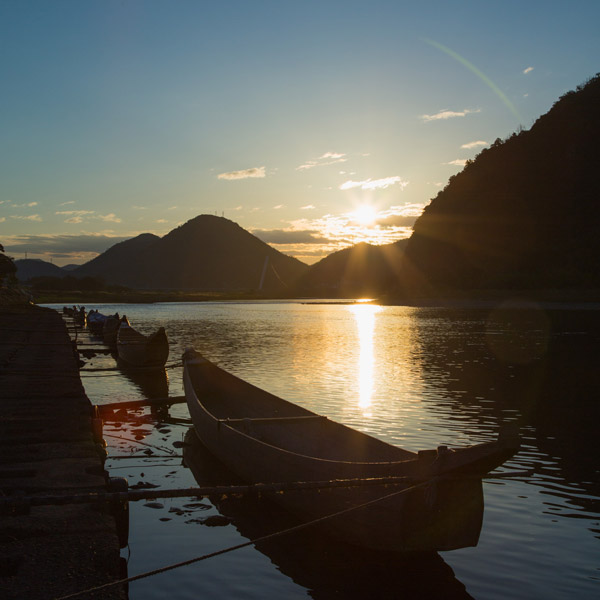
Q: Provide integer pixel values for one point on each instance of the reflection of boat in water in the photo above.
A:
(153, 383)
(436, 502)
(327, 567)
(142, 351)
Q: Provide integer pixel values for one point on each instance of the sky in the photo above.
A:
(314, 125)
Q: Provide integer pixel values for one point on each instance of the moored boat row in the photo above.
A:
(133, 348)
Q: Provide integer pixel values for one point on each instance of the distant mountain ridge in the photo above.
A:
(208, 253)
(27, 268)
(361, 270)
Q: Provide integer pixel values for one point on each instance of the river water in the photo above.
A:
(414, 377)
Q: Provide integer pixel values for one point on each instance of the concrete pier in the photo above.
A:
(47, 447)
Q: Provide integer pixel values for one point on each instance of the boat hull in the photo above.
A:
(436, 502)
(140, 351)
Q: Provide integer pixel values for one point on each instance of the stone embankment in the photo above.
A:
(47, 448)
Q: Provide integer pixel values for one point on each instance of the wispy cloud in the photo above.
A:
(67, 202)
(476, 144)
(308, 207)
(442, 115)
(26, 217)
(459, 162)
(74, 212)
(374, 184)
(111, 218)
(25, 205)
(75, 216)
(329, 158)
(244, 174)
(161, 221)
(278, 207)
(527, 70)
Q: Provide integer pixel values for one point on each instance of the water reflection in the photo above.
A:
(326, 567)
(364, 315)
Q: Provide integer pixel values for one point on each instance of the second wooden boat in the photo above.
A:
(434, 502)
(142, 351)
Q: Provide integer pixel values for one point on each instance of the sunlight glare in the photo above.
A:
(364, 215)
(365, 320)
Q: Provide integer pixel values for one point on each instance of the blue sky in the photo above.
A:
(124, 117)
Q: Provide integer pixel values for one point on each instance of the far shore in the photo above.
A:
(569, 299)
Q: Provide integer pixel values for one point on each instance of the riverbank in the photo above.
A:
(47, 448)
(571, 299)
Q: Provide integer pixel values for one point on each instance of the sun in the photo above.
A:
(364, 215)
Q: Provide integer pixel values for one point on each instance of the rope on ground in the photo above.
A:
(245, 544)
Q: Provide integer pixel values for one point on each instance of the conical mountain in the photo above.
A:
(207, 253)
(114, 264)
(524, 214)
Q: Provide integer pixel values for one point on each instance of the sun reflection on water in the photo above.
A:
(364, 314)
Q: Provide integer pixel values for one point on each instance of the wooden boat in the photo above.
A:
(110, 329)
(434, 502)
(142, 351)
(95, 321)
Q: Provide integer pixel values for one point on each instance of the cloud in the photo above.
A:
(75, 216)
(278, 207)
(373, 184)
(2, 219)
(62, 244)
(25, 205)
(67, 202)
(474, 144)
(459, 162)
(111, 218)
(329, 158)
(289, 236)
(308, 207)
(397, 221)
(245, 174)
(448, 114)
(75, 212)
(527, 70)
(161, 221)
(26, 217)
(139, 207)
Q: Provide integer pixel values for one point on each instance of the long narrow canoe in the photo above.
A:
(142, 351)
(110, 329)
(95, 321)
(434, 503)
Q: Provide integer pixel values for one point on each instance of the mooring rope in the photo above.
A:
(243, 545)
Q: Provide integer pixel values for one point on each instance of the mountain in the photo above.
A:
(524, 214)
(27, 268)
(206, 253)
(114, 264)
(361, 270)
